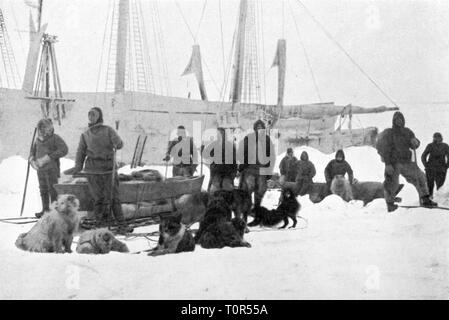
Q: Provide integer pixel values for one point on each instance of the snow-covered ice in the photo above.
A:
(339, 250)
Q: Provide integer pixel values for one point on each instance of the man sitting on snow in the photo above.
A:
(393, 145)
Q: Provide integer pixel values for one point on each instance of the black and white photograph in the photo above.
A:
(210, 150)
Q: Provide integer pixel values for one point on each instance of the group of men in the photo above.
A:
(394, 145)
(97, 146)
(254, 167)
(302, 171)
(95, 156)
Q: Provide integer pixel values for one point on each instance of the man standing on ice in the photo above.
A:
(45, 154)
(96, 153)
(306, 172)
(288, 167)
(184, 154)
(223, 166)
(257, 157)
(437, 163)
(393, 145)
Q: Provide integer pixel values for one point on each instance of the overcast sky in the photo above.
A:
(402, 45)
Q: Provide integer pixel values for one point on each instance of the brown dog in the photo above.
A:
(99, 241)
(54, 231)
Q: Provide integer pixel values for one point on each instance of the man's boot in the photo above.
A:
(99, 209)
(391, 206)
(427, 202)
(45, 206)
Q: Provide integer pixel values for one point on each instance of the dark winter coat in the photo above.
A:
(438, 153)
(175, 150)
(249, 147)
(336, 167)
(54, 147)
(96, 148)
(394, 144)
(289, 168)
(227, 164)
(306, 169)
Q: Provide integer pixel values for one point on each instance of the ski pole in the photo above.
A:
(28, 172)
(111, 204)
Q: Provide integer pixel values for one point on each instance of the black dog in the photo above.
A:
(224, 234)
(288, 208)
(239, 201)
(217, 210)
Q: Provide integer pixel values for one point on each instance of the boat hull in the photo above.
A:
(135, 192)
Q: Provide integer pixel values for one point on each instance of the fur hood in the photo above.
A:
(45, 128)
(398, 120)
(340, 153)
(258, 122)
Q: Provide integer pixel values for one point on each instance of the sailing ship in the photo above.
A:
(140, 112)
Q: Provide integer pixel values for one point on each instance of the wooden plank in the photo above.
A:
(135, 191)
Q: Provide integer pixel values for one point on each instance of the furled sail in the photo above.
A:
(280, 62)
(194, 66)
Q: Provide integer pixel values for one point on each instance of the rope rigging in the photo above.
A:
(309, 65)
(346, 53)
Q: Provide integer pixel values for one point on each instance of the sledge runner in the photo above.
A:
(184, 164)
(306, 172)
(259, 156)
(435, 159)
(45, 155)
(393, 145)
(288, 167)
(96, 154)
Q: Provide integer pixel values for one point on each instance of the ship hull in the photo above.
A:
(132, 114)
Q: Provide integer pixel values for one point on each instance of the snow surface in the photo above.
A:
(340, 251)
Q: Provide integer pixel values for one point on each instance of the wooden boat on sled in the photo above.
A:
(143, 202)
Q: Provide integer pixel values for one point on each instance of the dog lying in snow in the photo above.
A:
(288, 208)
(99, 241)
(174, 237)
(54, 231)
(224, 234)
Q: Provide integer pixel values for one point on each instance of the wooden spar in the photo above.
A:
(39, 15)
(239, 54)
(122, 35)
(177, 112)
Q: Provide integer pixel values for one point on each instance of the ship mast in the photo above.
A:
(39, 15)
(122, 39)
(239, 54)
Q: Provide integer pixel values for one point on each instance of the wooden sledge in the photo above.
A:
(138, 192)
